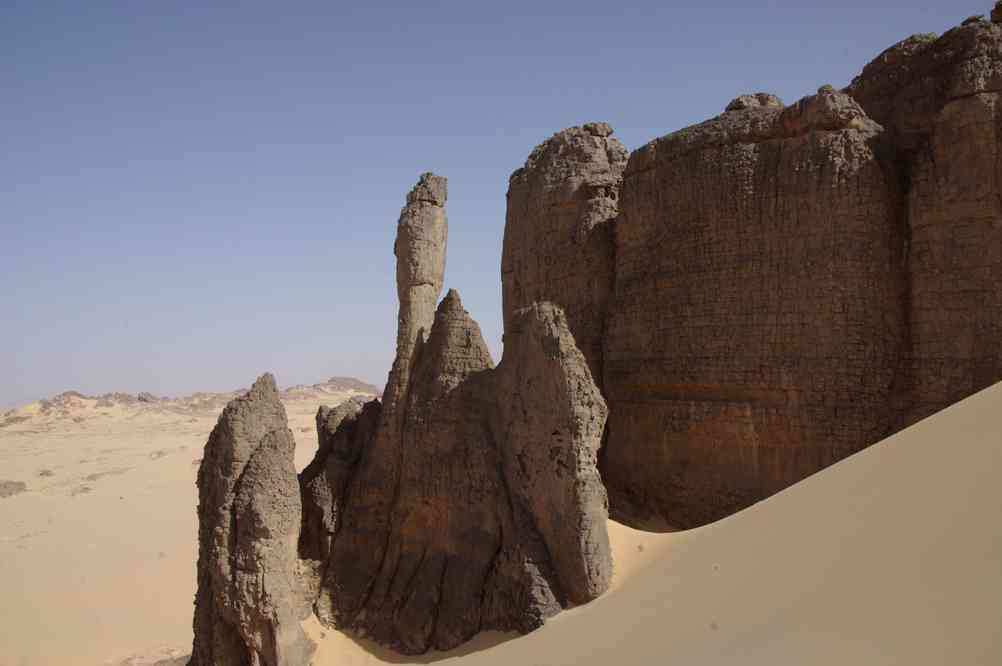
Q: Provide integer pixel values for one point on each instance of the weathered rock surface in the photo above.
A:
(789, 285)
(558, 231)
(468, 499)
(723, 312)
(324, 481)
(250, 596)
(461, 513)
(757, 317)
(939, 99)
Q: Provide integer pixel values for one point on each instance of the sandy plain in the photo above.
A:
(889, 557)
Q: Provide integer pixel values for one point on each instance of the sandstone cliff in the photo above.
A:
(785, 286)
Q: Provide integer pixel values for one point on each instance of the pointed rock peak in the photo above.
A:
(455, 329)
(451, 304)
(264, 386)
(997, 13)
(429, 189)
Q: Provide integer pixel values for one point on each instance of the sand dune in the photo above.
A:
(889, 557)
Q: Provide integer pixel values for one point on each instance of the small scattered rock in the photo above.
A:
(11, 488)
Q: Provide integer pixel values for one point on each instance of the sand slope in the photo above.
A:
(97, 557)
(889, 557)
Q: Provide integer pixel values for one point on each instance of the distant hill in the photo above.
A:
(73, 405)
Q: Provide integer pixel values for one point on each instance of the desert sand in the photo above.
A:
(98, 555)
(888, 557)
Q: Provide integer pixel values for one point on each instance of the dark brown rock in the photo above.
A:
(250, 597)
(498, 514)
(343, 432)
(11, 488)
(940, 100)
(558, 243)
(754, 297)
(756, 322)
(460, 513)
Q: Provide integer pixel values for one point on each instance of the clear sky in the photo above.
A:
(193, 195)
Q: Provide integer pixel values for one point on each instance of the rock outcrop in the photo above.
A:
(757, 317)
(939, 99)
(250, 598)
(789, 284)
(462, 513)
(558, 231)
(468, 499)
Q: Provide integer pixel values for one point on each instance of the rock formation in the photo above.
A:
(756, 321)
(463, 514)
(468, 499)
(558, 231)
(717, 315)
(250, 596)
(789, 285)
(939, 100)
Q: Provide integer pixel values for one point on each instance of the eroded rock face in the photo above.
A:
(250, 597)
(939, 98)
(460, 513)
(789, 284)
(558, 243)
(550, 457)
(343, 433)
(757, 318)
(497, 519)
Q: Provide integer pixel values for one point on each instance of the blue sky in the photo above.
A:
(195, 194)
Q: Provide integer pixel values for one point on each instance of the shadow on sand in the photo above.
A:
(482, 641)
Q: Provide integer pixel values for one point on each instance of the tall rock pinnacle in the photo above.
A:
(459, 513)
(422, 234)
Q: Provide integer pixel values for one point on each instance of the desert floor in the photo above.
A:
(889, 557)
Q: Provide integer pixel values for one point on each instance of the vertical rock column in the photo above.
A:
(422, 234)
(359, 550)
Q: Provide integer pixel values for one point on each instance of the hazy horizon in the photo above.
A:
(198, 195)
